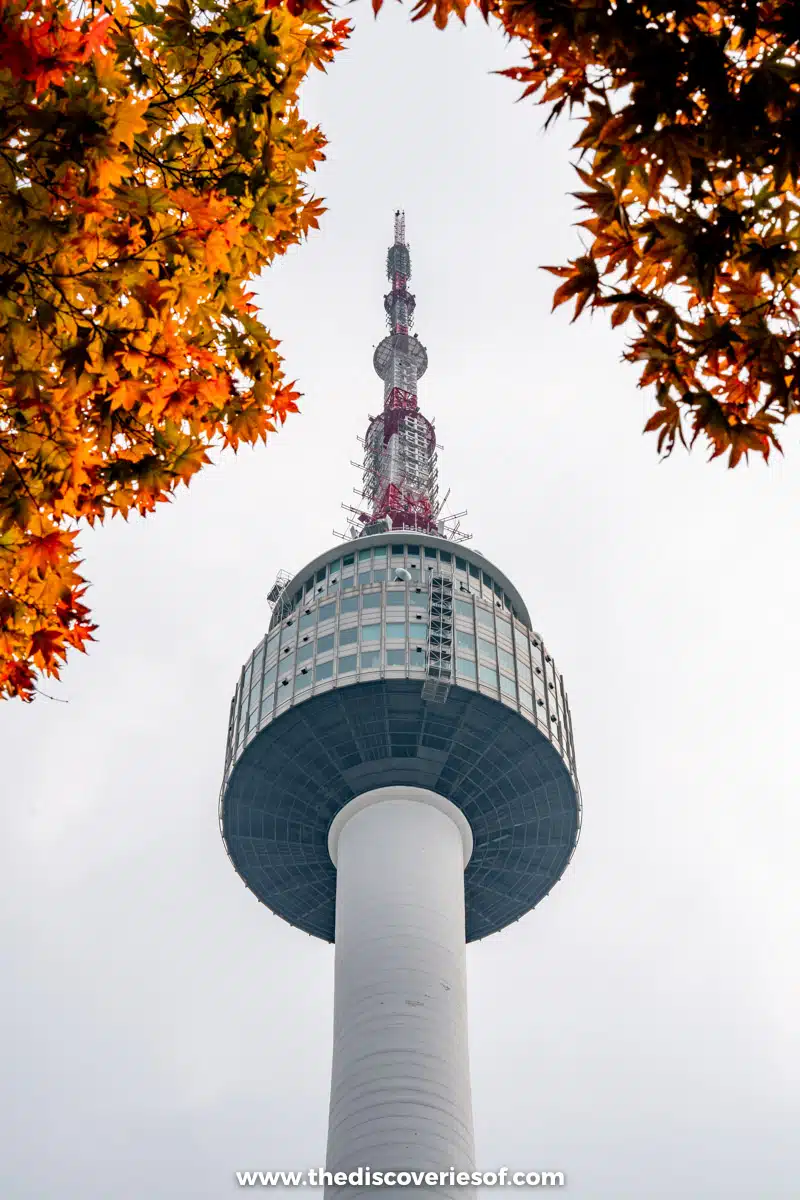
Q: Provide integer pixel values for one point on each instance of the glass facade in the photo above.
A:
(332, 633)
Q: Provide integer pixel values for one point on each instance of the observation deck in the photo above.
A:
(399, 662)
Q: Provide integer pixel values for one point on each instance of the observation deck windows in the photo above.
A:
(364, 556)
(379, 552)
(398, 551)
(321, 573)
(465, 667)
(370, 659)
(334, 568)
(348, 560)
(474, 571)
(413, 551)
(485, 618)
(461, 564)
(445, 556)
(324, 644)
(487, 650)
(395, 658)
(430, 553)
(505, 659)
(347, 663)
(347, 637)
(487, 580)
(323, 670)
(370, 633)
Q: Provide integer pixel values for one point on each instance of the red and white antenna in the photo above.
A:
(400, 487)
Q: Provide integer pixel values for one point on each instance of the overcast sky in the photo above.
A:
(638, 1030)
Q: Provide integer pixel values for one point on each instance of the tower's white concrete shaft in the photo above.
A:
(400, 1089)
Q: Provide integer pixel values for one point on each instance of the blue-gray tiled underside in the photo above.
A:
(298, 772)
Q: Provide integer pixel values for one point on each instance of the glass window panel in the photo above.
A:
(308, 586)
(526, 699)
(378, 576)
(398, 550)
(506, 659)
(523, 651)
(349, 604)
(305, 652)
(394, 599)
(429, 553)
(461, 564)
(413, 550)
(474, 572)
(379, 552)
(372, 600)
(324, 644)
(370, 658)
(465, 641)
(347, 582)
(323, 670)
(507, 686)
(321, 574)
(364, 577)
(464, 608)
(285, 661)
(370, 633)
(396, 629)
(418, 599)
(488, 675)
(487, 579)
(348, 662)
(307, 621)
(418, 631)
(269, 679)
(487, 650)
(466, 667)
(303, 680)
(272, 644)
(445, 556)
(364, 555)
(504, 626)
(485, 618)
(348, 560)
(327, 611)
(395, 658)
(524, 673)
(335, 567)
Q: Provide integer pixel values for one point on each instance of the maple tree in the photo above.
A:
(151, 164)
(690, 148)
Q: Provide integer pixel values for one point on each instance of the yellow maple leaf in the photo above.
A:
(129, 121)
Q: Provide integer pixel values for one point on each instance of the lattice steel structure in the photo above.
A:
(400, 779)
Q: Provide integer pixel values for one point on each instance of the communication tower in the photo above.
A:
(400, 780)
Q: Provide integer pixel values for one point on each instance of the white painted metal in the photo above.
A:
(400, 1089)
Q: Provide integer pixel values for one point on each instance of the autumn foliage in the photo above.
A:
(151, 163)
(690, 148)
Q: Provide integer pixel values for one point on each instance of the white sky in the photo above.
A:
(639, 1030)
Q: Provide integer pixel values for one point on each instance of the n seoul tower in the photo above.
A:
(400, 780)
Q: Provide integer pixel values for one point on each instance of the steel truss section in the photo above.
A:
(436, 687)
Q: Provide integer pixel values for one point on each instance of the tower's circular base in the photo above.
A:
(298, 772)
